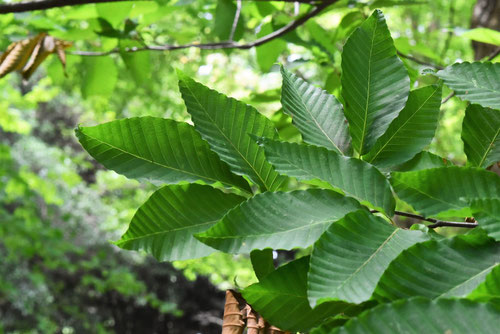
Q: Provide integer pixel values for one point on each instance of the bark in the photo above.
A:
(486, 14)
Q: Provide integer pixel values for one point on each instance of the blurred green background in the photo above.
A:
(59, 209)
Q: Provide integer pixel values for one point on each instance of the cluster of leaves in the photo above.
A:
(354, 158)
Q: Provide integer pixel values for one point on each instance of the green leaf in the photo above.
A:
(138, 64)
(475, 82)
(353, 176)
(226, 124)
(419, 315)
(100, 76)
(156, 150)
(436, 190)
(411, 131)
(350, 257)
(483, 35)
(224, 17)
(262, 262)
(489, 290)
(268, 53)
(487, 212)
(164, 225)
(481, 135)
(423, 160)
(317, 114)
(446, 268)
(281, 220)
(375, 84)
(281, 299)
(115, 13)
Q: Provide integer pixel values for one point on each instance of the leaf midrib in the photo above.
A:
(365, 120)
(468, 280)
(314, 119)
(490, 147)
(365, 263)
(149, 235)
(399, 129)
(156, 163)
(224, 135)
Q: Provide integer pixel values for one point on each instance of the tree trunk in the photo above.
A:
(486, 14)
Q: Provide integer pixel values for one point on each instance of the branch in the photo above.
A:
(419, 61)
(221, 45)
(236, 19)
(19, 7)
(435, 222)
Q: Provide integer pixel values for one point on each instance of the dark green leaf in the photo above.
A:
(423, 160)
(489, 290)
(164, 225)
(349, 258)
(281, 220)
(475, 82)
(419, 315)
(446, 268)
(156, 150)
(487, 212)
(411, 131)
(317, 114)
(262, 262)
(436, 190)
(375, 84)
(281, 299)
(481, 135)
(226, 124)
(353, 176)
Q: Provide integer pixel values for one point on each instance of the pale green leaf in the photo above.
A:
(483, 35)
(164, 225)
(100, 76)
(375, 84)
(280, 220)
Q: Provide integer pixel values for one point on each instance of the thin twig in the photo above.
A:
(420, 61)
(236, 19)
(435, 222)
(446, 99)
(19, 7)
(493, 54)
(220, 45)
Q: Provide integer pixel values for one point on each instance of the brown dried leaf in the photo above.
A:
(27, 55)
(42, 50)
(232, 322)
(17, 54)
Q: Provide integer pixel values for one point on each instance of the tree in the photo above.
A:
(325, 181)
(363, 271)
